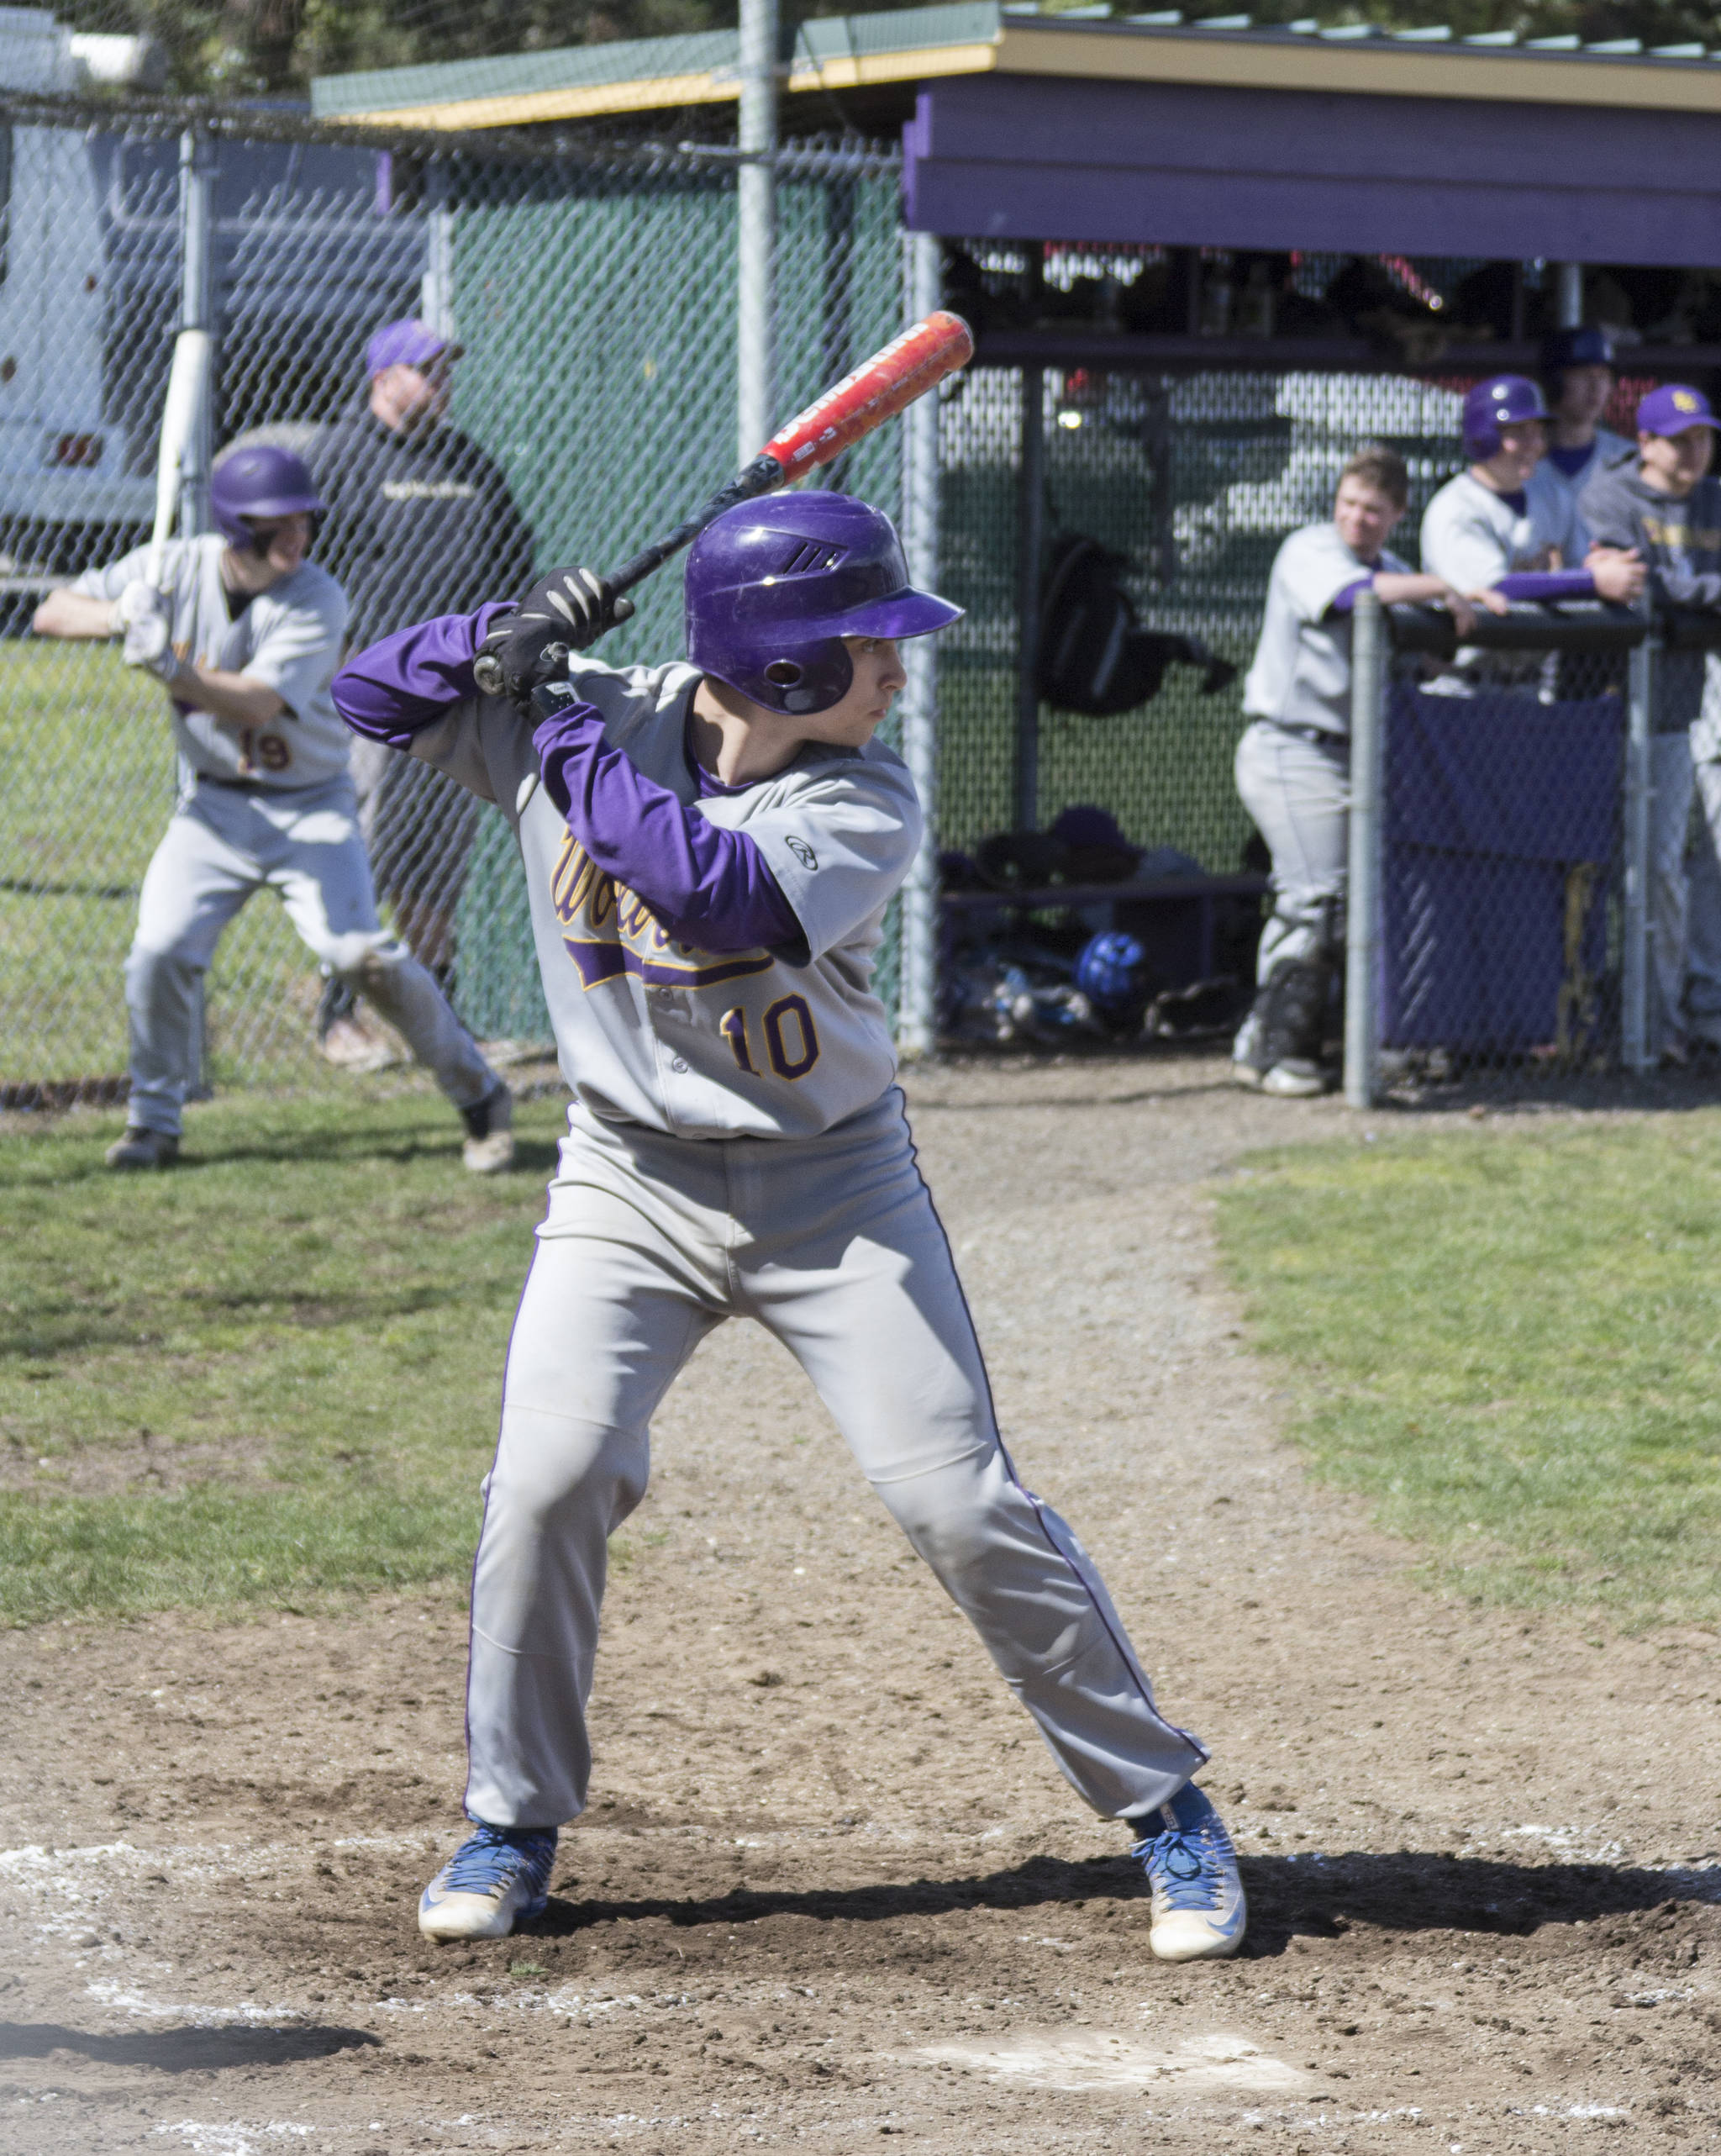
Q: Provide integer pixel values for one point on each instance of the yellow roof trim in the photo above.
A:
(1378, 69)
(859, 70)
(527, 108)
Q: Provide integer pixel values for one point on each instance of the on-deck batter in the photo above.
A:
(244, 640)
(709, 849)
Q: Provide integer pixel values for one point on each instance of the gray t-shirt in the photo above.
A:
(696, 1043)
(1302, 670)
(289, 638)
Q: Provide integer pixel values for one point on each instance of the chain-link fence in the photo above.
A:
(595, 298)
(592, 404)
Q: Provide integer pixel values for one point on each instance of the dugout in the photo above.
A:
(1202, 258)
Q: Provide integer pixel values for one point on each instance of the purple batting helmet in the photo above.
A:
(1503, 400)
(774, 585)
(259, 480)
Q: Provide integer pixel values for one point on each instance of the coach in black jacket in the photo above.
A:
(420, 523)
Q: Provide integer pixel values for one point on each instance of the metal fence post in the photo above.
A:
(1634, 957)
(1030, 548)
(755, 189)
(436, 291)
(917, 1024)
(197, 284)
(1362, 931)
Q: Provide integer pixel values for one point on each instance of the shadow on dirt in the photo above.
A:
(1412, 1891)
(183, 2051)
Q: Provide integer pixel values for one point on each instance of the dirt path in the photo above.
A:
(832, 1889)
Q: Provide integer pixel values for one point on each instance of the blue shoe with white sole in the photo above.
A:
(494, 1880)
(1199, 1913)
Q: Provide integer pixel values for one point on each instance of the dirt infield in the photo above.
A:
(831, 1888)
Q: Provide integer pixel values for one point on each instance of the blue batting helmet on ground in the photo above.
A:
(773, 586)
(1503, 400)
(259, 480)
(1110, 970)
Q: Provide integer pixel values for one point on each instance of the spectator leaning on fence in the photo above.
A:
(1505, 527)
(420, 522)
(1293, 764)
(244, 639)
(1577, 376)
(1665, 503)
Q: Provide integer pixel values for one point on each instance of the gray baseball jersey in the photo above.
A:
(1472, 536)
(695, 1043)
(289, 638)
(1302, 669)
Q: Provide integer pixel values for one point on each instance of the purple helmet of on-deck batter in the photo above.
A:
(1503, 400)
(774, 585)
(259, 480)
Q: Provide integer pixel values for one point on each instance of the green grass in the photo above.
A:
(86, 782)
(1505, 1338)
(308, 1319)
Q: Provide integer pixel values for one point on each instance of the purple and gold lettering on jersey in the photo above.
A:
(608, 931)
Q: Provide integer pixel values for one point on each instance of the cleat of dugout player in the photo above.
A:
(709, 849)
(243, 638)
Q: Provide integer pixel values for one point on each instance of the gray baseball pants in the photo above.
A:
(1298, 792)
(1671, 778)
(1702, 987)
(833, 1245)
(223, 844)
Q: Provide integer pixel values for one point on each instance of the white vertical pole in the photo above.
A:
(1634, 955)
(1570, 297)
(917, 1024)
(756, 194)
(197, 284)
(436, 292)
(1362, 915)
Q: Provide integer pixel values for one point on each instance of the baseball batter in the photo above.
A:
(709, 848)
(244, 639)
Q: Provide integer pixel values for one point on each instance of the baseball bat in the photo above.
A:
(906, 368)
(186, 385)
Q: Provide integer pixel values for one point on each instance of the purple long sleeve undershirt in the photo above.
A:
(706, 886)
(1528, 586)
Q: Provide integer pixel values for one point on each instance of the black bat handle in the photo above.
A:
(760, 476)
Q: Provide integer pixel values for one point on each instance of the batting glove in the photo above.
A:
(138, 602)
(148, 644)
(568, 610)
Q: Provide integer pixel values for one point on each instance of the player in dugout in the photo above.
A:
(1505, 526)
(1293, 762)
(1578, 382)
(244, 639)
(1666, 504)
(710, 845)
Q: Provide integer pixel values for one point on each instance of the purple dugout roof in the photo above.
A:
(1266, 153)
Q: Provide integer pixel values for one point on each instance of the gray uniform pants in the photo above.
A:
(1703, 987)
(1670, 779)
(225, 843)
(1298, 792)
(833, 1245)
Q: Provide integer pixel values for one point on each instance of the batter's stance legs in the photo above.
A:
(650, 1241)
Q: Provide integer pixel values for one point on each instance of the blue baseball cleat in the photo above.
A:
(1199, 1911)
(498, 1876)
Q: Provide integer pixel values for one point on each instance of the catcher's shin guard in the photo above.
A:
(1294, 1025)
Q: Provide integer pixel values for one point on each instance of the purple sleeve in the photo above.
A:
(1534, 584)
(708, 887)
(393, 690)
(1344, 602)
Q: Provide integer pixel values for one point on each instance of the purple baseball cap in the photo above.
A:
(1673, 408)
(411, 343)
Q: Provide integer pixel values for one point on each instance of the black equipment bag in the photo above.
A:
(1094, 655)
